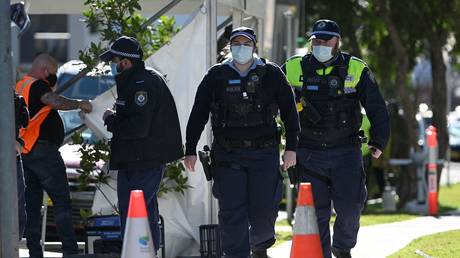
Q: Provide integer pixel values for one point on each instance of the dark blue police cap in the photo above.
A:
(245, 32)
(325, 29)
(124, 47)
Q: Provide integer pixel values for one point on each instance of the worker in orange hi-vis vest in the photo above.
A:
(44, 169)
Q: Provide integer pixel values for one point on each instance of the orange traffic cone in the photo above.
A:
(306, 242)
(137, 241)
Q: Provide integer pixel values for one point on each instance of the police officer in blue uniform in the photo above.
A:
(145, 128)
(244, 95)
(330, 87)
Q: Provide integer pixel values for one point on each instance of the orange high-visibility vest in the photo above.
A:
(32, 131)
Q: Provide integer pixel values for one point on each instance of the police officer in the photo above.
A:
(243, 95)
(145, 127)
(330, 86)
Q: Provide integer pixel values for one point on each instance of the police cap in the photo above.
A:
(125, 47)
(245, 32)
(325, 29)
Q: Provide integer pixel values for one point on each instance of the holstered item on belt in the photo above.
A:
(311, 112)
(231, 144)
(206, 161)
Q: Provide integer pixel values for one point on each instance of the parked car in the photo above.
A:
(88, 87)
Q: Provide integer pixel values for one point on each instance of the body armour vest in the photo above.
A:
(329, 108)
(240, 102)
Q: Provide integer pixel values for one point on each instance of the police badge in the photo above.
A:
(140, 98)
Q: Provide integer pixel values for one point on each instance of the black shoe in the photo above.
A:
(341, 253)
(259, 254)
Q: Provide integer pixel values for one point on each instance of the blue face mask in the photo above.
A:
(114, 68)
(322, 53)
(242, 54)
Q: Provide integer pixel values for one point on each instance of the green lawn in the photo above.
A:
(374, 214)
(445, 244)
(449, 198)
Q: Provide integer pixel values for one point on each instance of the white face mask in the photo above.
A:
(242, 54)
(322, 53)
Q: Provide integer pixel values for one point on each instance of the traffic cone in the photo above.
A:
(137, 241)
(306, 242)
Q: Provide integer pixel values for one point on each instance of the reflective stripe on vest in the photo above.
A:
(326, 71)
(295, 76)
(32, 131)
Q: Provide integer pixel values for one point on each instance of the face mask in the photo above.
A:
(52, 79)
(116, 69)
(242, 54)
(322, 53)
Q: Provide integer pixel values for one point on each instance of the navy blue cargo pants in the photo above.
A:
(248, 186)
(345, 187)
(147, 180)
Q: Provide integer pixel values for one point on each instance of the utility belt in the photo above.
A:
(319, 140)
(231, 144)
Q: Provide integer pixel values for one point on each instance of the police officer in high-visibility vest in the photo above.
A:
(244, 95)
(330, 87)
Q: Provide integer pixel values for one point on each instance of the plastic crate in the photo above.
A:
(210, 246)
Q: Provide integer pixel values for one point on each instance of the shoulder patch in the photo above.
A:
(141, 98)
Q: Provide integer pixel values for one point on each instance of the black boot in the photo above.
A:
(341, 253)
(259, 254)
